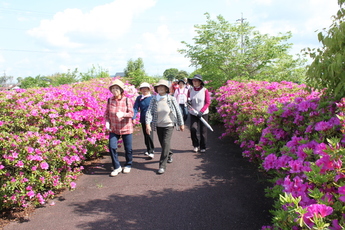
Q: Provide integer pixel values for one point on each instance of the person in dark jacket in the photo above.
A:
(142, 103)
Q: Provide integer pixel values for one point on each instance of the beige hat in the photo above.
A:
(144, 85)
(118, 83)
(162, 82)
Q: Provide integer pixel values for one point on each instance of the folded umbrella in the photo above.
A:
(201, 118)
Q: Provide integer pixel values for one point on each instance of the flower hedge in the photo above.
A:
(298, 138)
(45, 136)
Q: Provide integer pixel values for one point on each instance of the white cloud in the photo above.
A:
(72, 28)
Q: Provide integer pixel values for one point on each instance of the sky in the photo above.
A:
(47, 37)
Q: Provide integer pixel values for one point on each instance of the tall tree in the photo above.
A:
(135, 72)
(327, 69)
(182, 74)
(170, 74)
(224, 51)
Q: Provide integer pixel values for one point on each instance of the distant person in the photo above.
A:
(188, 86)
(165, 114)
(142, 103)
(181, 94)
(173, 87)
(118, 117)
(199, 97)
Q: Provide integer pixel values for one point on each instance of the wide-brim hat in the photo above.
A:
(144, 85)
(162, 82)
(118, 83)
(196, 76)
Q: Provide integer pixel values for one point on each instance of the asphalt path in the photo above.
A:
(218, 189)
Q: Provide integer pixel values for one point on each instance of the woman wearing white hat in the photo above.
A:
(142, 103)
(118, 116)
(164, 113)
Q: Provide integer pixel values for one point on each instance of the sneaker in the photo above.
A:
(127, 169)
(116, 171)
(151, 155)
(203, 150)
(195, 149)
(170, 159)
(161, 171)
(146, 153)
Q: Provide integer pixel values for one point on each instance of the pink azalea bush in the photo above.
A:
(46, 135)
(298, 138)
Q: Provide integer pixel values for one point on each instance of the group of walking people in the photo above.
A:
(161, 112)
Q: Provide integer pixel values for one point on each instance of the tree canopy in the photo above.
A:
(327, 69)
(224, 51)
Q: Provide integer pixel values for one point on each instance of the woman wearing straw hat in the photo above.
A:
(118, 116)
(164, 113)
(142, 103)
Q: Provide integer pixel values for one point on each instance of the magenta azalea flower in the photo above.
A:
(341, 190)
(269, 162)
(318, 210)
(73, 185)
(44, 165)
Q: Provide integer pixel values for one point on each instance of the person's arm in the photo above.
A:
(148, 116)
(136, 108)
(207, 101)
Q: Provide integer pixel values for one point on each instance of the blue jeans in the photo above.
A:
(184, 111)
(127, 142)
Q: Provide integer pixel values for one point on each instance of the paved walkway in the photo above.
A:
(213, 190)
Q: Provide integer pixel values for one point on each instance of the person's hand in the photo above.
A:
(182, 127)
(120, 114)
(199, 115)
(107, 126)
(148, 129)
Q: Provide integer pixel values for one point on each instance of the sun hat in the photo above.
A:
(144, 85)
(118, 83)
(162, 82)
(198, 77)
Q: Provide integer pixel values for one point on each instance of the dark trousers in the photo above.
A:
(184, 111)
(148, 139)
(127, 142)
(164, 137)
(195, 123)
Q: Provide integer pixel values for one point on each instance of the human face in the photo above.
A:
(196, 83)
(161, 90)
(144, 90)
(116, 91)
(181, 85)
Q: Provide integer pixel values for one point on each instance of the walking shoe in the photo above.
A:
(127, 169)
(151, 155)
(195, 149)
(203, 150)
(161, 171)
(146, 153)
(116, 171)
(170, 160)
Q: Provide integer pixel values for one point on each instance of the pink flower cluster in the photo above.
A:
(46, 134)
(296, 136)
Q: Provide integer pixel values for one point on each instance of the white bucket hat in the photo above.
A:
(144, 85)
